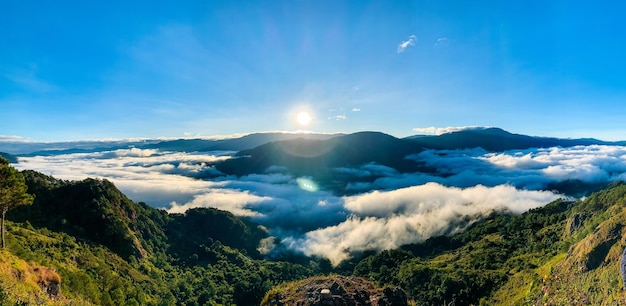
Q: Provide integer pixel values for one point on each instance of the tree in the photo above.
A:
(12, 191)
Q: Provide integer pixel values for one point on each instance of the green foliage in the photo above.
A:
(109, 251)
(471, 265)
(112, 251)
(565, 253)
(192, 232)
(12, 192)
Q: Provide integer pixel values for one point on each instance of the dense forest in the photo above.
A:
(104, 249)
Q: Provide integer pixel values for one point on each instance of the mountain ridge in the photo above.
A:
(493, 139)
(496, 139)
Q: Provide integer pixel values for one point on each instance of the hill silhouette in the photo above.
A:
(230, 144)
(314, 157)
(496, 139)
(319, 159)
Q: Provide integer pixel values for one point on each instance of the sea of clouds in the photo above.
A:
(395, 209)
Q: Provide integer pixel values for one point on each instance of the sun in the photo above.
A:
(303, 118)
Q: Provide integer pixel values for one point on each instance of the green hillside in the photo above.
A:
(108, 250)
(104, 249)
(566, 253)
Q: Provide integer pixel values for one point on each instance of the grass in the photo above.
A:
(24, 283)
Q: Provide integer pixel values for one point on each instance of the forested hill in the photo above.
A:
(565, 253)
(109, 250)
(105, 249)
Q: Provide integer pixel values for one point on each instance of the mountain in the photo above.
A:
(313, 156)
(230, 144)
(496, 139)
(320, 159)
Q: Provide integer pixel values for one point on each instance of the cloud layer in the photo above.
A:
(388, 220)
(386, 211)
(445, 130)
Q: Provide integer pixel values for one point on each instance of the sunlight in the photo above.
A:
(303, 118)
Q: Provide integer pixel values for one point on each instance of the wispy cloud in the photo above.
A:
(405, 44)
(442, 42)
(28, 79)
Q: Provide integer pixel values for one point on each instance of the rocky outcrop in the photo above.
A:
(576, 222)
(49, 280)
(335, 290)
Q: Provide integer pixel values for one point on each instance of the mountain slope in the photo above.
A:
(99, 212)
(566, 253)
(109, 250)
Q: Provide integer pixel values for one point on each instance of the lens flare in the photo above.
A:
(306, 184)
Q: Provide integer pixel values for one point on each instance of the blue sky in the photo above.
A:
(74, 70)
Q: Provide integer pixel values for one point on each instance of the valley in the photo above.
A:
(499, 244)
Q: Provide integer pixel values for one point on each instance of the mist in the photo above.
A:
(390, 211)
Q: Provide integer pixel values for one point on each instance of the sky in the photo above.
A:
(78, 70)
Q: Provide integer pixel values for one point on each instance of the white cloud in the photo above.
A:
(442, 42)
(387, 220)
(143, 175)
(405, 44)
(231, 200)
(444, 130)
(586, 163)
(9, 138)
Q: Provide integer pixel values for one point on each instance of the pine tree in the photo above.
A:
(12, 191)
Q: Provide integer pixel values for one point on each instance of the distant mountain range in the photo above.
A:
(178, 145)
(490, 139)
(336, 162)
(230, 144)
(323, 159)
(363, 147)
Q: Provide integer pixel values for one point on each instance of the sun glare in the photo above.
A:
(303, 118)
